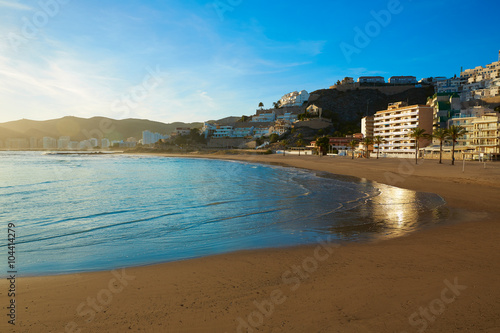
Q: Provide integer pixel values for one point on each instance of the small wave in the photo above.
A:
(87, 231)
(86, 217)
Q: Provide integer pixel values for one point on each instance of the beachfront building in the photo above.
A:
(49, 143)
(150, 138)
(371, 79)
(223, 131)
(294, 98)
(466, 119)
(486, 134)
(367, 126)
(403, 80)
(63, 142)
(395, 124)
(105, 143)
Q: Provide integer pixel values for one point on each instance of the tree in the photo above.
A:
(418, 134)
(454, 133)
(367, 142)
(323, 143)
(277, 104)
(378, 140)
(353, 144)
(497, 108)
(261, 105)
(441, 134)
(273, 138)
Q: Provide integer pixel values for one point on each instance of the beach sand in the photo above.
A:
(443, 279)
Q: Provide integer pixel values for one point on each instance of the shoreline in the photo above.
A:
(465, 251)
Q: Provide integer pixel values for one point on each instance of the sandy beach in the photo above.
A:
(443, 279)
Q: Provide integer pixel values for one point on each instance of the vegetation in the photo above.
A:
(378, 141)
(353, 144)
(261, 105)
(497, 108)
(454, 133)
(367, 142)
(418, 134)
(304, 116)
(323, 143)
(273, 138)
(441, 134)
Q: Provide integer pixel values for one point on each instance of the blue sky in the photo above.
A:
(195, 60)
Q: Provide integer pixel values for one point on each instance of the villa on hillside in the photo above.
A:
(294, 98)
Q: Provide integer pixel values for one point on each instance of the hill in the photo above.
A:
(79, 129)
(346, 108)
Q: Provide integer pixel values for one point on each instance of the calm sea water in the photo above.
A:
(83, 213)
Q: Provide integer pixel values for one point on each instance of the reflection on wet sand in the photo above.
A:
(393, 213)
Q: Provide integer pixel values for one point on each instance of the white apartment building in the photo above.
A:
(105, 143)
(394, 125)
(294, 98)
(291, 117)
(490, 71)
(63, 142)
(150, 138)
(49, 143)
(264, 117)
(223, 131)
(367, 126)
(486, 134)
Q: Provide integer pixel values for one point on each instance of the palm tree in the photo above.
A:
(367, 142)
(300, 143)
(378, 140)
(353, 144)
(441, 134)
(261, 105)
(417, 133)
(455, 132)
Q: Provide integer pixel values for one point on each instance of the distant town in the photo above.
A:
(300, 122)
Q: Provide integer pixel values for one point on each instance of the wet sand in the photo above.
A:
(444, 279)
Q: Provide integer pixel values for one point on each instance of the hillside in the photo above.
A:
(81, 128)
(346, 108)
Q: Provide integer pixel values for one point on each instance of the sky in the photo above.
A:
(195, 60)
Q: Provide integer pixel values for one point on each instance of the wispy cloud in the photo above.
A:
(14, 5)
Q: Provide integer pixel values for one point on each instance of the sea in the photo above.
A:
(78, 213)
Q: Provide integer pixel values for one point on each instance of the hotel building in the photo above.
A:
(395, 124)
(486, 134)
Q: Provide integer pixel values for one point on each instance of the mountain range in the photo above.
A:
(79, 129)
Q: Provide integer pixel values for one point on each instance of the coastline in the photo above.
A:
(359, 287)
